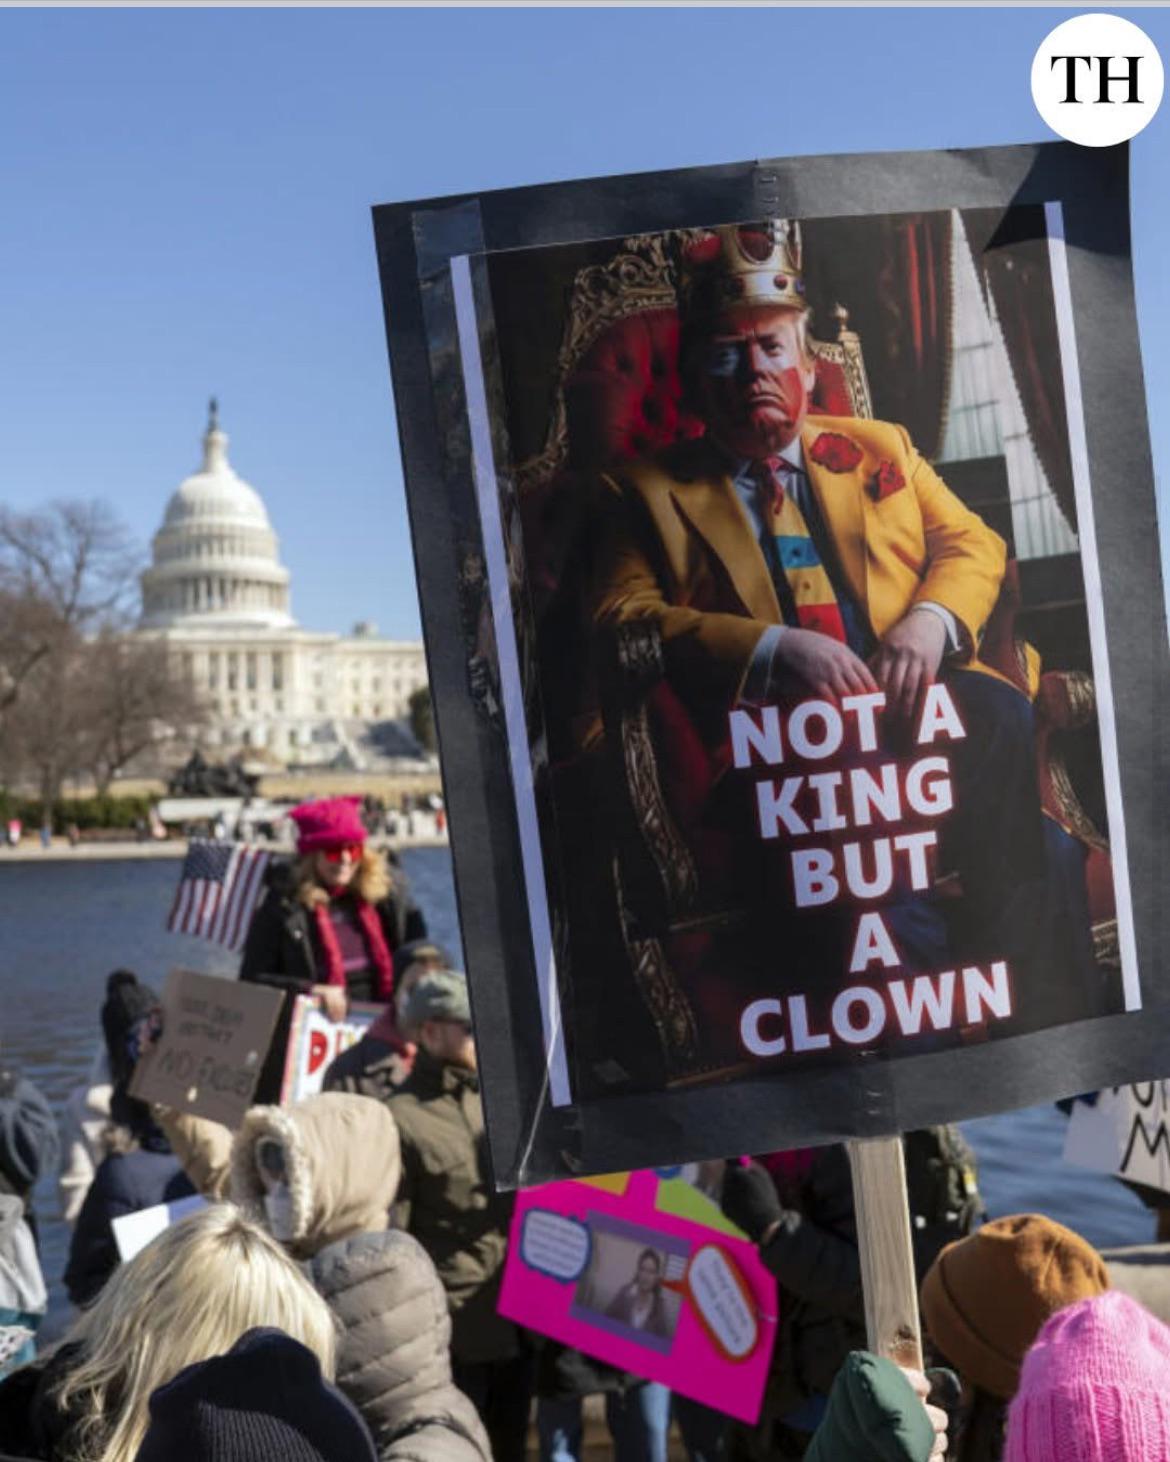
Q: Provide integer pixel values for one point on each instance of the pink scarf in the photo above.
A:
(376, 947)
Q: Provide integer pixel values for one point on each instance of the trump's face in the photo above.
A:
(753, 381)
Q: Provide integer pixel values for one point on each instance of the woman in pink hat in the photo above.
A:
(329, 925)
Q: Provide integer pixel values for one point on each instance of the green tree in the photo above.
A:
(422, 719)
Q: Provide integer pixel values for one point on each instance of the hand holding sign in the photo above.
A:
(332, 1000)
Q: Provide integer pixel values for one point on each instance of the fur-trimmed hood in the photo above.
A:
(343, 1162)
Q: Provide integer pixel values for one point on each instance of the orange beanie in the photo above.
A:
(985, 1297)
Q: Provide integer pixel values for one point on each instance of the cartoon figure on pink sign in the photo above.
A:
(644, 1271)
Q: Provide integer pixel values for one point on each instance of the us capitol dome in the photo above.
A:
(215, 558)
(219, 596)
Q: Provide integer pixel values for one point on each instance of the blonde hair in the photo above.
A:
(371, 879)
(188, 1296)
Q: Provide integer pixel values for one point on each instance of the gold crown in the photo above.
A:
(740, 265)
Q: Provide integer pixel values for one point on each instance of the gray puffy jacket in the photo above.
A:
(393, 1360)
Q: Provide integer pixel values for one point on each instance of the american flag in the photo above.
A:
(218, 888)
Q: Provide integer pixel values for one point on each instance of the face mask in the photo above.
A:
(278, 1206)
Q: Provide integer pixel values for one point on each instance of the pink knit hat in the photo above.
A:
(1095, 1387)
(330, 823)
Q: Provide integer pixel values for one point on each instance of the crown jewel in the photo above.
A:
(741, 265)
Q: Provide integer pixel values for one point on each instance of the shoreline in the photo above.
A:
(59, 851)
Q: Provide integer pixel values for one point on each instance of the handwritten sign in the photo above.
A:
(1126, 1132)
(315, 1042)
(214, 1039)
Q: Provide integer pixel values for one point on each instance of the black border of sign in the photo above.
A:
(530, 1140)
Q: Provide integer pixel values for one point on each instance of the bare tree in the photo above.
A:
(138, 698)
(43, 732)
(29, 629)
(78, 691)
(76, 557)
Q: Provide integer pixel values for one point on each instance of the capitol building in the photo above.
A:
(217, 592)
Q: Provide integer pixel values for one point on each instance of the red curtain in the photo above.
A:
(914, 288)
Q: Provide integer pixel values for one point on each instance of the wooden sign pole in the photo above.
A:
(886, 1249)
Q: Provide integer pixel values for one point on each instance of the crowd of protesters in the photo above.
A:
(336, 1295)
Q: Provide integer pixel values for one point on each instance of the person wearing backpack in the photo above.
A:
(798, 1207)
(28, 1149)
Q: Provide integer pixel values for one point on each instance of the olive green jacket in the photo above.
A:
(873, 1416)
(446, 1200)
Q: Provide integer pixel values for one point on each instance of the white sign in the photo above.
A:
(133, 1231)
(1126, 1133)
(315, 1042)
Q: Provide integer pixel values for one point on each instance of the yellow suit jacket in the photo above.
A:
(675, 545)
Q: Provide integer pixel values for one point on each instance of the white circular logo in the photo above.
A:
(1097, 79)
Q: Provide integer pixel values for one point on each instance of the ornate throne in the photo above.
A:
(618, 395)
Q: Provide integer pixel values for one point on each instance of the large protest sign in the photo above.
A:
(787, 549)
(315, 1041)
(209, 1055)
(1124, 1131)
(642, 1270)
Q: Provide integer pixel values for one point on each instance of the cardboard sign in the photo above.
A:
(315, 1041)
(133, 1231)
(788, 561)
(209, 1056)
(644, 1272)
(1125, 1133)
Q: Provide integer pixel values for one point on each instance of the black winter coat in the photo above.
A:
(281, 950)
(813, 1255)
(31, 1422)
(125, 1182)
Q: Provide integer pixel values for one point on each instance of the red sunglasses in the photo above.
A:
(335, 855)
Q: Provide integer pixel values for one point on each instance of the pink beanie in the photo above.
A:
(1095, 1387)
(330, 823)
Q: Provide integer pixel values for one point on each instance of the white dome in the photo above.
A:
(215, 560)
(216, 492)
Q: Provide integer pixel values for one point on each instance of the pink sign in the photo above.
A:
(642, 1270)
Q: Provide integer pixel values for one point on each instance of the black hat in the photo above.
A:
(415, 950)
(265, 1399)
(127, 1001)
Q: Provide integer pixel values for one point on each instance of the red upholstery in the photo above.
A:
(998, 646)
(625, 397)
(1058, 710)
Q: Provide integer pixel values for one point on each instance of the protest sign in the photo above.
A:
(789, 573)
(644, 1272)
(314, 1041)
(133, 1231)
(1124, 1132)
(209, 1056)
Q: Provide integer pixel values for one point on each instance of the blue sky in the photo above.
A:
(185, 209)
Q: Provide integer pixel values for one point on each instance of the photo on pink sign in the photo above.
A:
(625, 1289)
